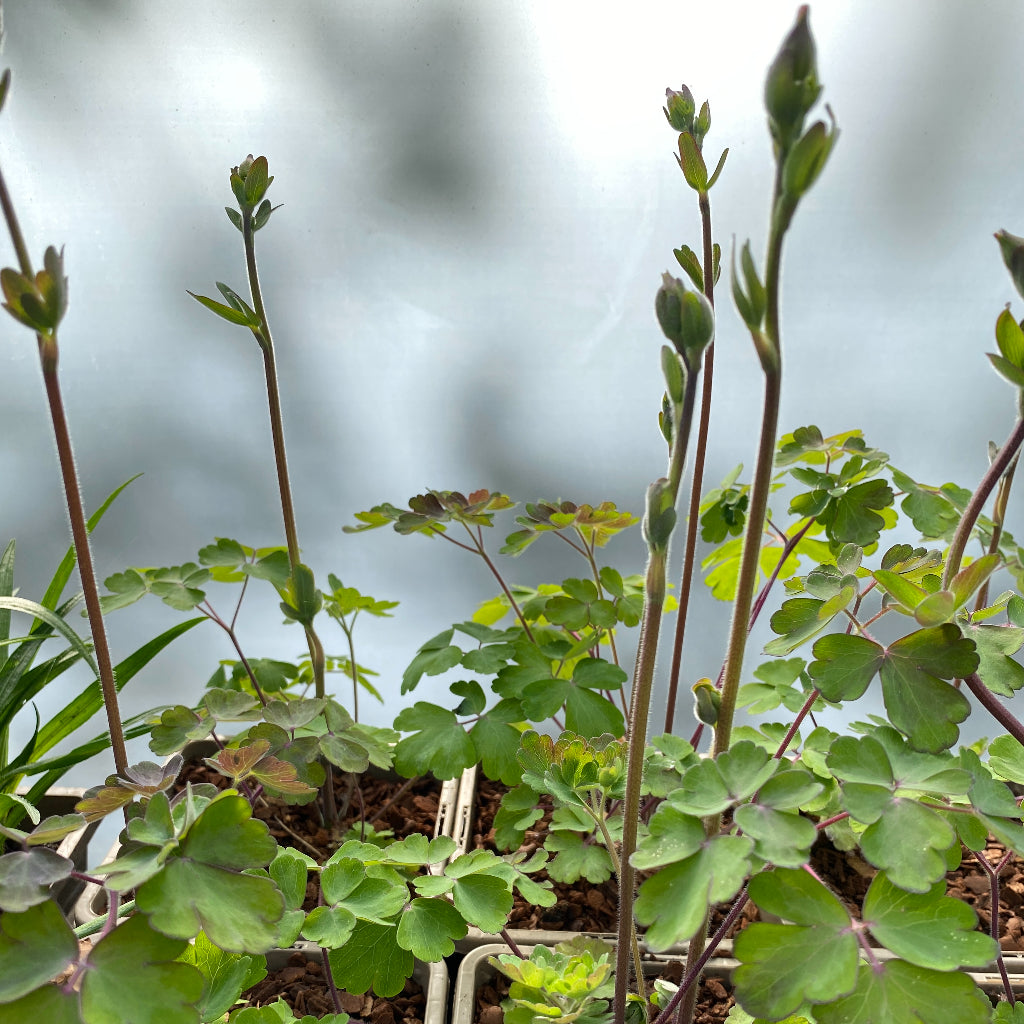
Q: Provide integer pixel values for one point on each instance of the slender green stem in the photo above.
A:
(640, 701)
(988, 482)
(347, 630)
(759, 491)
(263, 336)
(83, 550)
(316, 651)
(482, 552)
(609, 844)
(697, 484)
(48, 359)
(771, 362)
(998, 519)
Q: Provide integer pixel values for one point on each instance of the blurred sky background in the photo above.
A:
(479, 200)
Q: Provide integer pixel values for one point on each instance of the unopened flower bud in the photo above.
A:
(1012, 248)
(706, 702)
(679, 108)
(792, 87)
(702, 123)
(686, 319)
(250, 181)
(38, 302)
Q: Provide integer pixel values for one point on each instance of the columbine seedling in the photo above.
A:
(735, 825)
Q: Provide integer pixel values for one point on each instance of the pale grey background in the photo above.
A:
(479, 200)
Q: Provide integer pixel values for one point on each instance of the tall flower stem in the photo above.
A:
(697, 484)
(48, 358)
(643, 680)
(317, 658)
(316, 651)
(771, 362)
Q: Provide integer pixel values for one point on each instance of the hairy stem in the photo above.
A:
(697, 483)
(48, 359)
(640, 702)
(771, 362)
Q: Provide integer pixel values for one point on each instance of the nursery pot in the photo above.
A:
(475, 971)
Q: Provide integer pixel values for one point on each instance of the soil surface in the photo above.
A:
(303, 986)
(403, 807)
(713, 1001)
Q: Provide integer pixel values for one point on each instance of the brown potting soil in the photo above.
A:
(405, 807)
(302, 984)
(714, 1000)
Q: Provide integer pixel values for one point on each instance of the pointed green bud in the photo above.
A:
(702, 123)
(674, 373)
(806, 159)
(792, 87)
(302, 601)
(39, 302)
(751, 304)
(1012, 248)
(679, 108)
(250, 181)
(1010, 339)
(660, 516)
(706, 702)
(665, 419)
(686, 319)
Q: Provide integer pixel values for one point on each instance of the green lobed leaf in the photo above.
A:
(672, 903)
(372, 959)
(35, 946)
(844, 665)
(429, 928)
(995, 646)
(225, 975)
(202, 887)
(920, 704)
(128, 966)
(439, 744)
(900, 993)
(783, 965)
(26, 877)
(928, 929)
